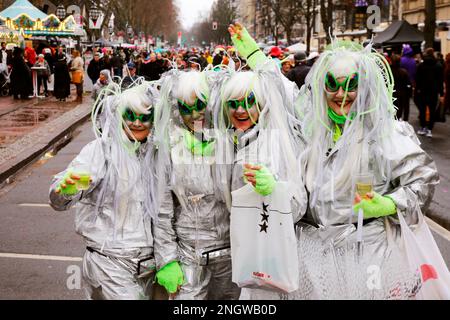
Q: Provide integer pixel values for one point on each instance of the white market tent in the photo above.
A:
(297, 47)
(23, 16)
(22, 7)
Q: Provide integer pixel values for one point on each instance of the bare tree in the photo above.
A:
(430, 23)
(326, 14)
(287, 13)
(224, 15)
(309, 14)
(159, 18)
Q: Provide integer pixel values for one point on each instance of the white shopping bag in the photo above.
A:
(425, 258)
(263, 243)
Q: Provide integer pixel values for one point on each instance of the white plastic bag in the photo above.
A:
(425, 258)
(263, 243)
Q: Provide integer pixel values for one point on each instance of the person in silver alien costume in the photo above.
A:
(359, 162)
(252, 111)
(192, 243)
(112, 187)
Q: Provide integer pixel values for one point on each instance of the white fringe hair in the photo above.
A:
(125, 170)
(175, 84)
(371, 127)
(278, 146)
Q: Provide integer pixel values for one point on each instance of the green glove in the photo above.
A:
(198, 148)
(170, 276)
(378, 206)
(261, 177)
(247, 48)
(67, 185)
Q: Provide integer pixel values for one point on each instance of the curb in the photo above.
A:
(442, 238)
(56, 134)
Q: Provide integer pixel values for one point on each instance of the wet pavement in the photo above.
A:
(19, 117)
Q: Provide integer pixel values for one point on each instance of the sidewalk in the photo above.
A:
(438, 148)
(30, 128)
(39, 137)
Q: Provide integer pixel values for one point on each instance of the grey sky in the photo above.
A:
(191, 10)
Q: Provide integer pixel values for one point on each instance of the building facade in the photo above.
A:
(413, 11)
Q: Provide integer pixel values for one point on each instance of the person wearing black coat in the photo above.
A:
(429, 86)
(301, 70)
(94, 68)
(117, 65)
(151, 69)
(403, 88)
(447, 83)
(62, 78)
(21, 80)
(105, 63)
(50, 60)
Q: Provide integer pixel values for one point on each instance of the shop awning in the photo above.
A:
(21, 7)
(399, 32)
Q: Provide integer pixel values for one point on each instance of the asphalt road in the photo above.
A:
(46, 252)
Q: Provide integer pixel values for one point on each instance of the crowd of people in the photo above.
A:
(421, 77)
(49, 63)
(231, 176)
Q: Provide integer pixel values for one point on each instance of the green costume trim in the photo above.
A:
(379, 206)
(198, 148)
(248, 49)
(338, 119)
(171, 276)
(337, 133)
(70, 189)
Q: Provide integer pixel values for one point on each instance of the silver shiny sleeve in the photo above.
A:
(90, 159)
(414, 175)
(165, 238)
(299, 205)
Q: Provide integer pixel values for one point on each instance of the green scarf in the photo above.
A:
(338, 122)
(198, 148)
(335, 117)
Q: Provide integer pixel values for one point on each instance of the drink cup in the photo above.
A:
(364, 184)
(85, 181)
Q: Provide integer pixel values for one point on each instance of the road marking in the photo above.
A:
(39, 257)
(444, 233)
(40, 205)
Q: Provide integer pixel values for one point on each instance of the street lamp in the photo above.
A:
(61, 12)
(130, 31)
(94, 13)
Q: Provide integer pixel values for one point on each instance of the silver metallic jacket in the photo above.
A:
(96, 220)
(246, 152)
(192, 218)
(412, 181)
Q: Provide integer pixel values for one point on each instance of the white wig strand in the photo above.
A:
(176, 85)
(373, 121)
(124, 173)
(277, 145)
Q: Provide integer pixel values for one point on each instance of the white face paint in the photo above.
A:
(139, 129)
(194, 119)
(342, 67)
(243, 119)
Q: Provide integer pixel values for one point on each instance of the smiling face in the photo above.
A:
(138, 124)
(103, 78)
(341, 84)
(340, 101)
(193, 112)
(286, 67)
(243, 112)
